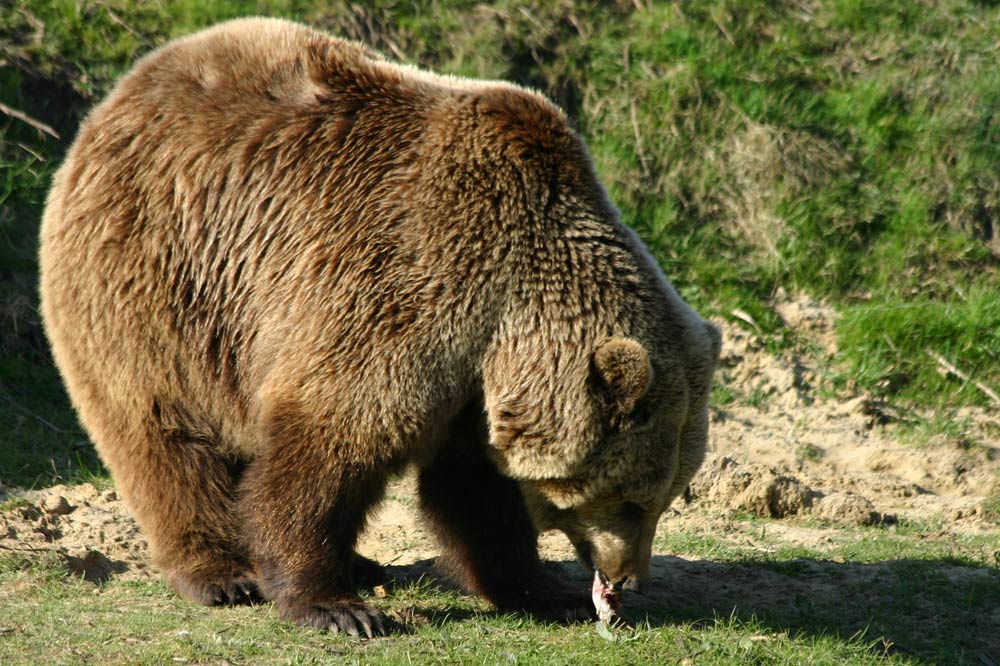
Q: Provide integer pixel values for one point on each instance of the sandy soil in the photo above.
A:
(792, 453)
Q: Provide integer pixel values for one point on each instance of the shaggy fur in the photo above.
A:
(276, 269)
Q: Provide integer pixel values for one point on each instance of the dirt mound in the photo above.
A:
(760, 490)
(89, 528)
(846, 450)
(768, 493)
(850, 508)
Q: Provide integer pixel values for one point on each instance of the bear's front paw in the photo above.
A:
(216, 591)
(549, 600)
(568, 607)
(349, 617)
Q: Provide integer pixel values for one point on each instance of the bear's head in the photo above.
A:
(602, 438)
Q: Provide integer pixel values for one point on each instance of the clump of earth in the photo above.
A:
(781, 449)
(89, 528)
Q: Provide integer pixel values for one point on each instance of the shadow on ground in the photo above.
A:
(934, 611)
(937, 611)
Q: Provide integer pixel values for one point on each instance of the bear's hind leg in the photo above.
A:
(489, 544)
(182, 492)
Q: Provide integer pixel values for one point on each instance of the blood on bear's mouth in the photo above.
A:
(607, 600)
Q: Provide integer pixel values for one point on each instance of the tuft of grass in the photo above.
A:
(722, 395)
(938, 428)
(991, 511)
(13, 503)
(893, 347)
(810, 452)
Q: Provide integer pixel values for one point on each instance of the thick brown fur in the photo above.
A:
(277, 269)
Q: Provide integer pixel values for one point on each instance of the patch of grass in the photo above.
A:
(758, 397)
(815, 150)
(750, 538)
(904, 587)
(939, 428)
(13, 503)
(891, 347)
(921, 541)
(991, 511)
(742, 594)
(810, 452)
(29, 574)
(722, 395)
(707, 546)
(69, 621)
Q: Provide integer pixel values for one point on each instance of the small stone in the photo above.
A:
(380, 591)
(109, 495)
(57, 505)
(776, 497)
(849, 508)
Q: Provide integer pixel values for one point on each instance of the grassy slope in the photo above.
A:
(843, 149)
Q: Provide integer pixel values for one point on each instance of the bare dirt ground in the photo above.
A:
(782, 449)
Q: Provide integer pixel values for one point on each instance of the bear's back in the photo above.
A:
(261, 186)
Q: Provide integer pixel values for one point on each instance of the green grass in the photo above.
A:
(866, 596)
(926, 596)
(143, 623)
(892, 344)
(810, 452)
(904, 539)
(991, 509)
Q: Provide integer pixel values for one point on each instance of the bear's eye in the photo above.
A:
(637, 418)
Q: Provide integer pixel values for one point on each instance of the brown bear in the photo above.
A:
(278, 269)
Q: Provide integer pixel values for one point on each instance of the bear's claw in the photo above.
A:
(216, 592)
(350, 617)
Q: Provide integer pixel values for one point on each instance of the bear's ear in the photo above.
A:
(623, 371)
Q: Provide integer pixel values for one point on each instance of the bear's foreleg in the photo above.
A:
(304, 502)
(182, 492)
(489, 544)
